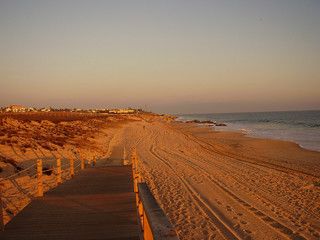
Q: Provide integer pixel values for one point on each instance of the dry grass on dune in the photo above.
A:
(54, 117)
(22, 133)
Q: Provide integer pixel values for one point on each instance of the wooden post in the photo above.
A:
(59, 178)
(39, 178)
(141, 213)
(1, 211)
(147, 233)
(124, 156)
(71, 167)
(140, 205)
(137, 160)
(82, 163)
(135, 182)
(133, 155)
(140, 179)
(133, 165)
(125, 160)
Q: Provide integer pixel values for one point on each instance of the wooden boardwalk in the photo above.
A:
(98, 203)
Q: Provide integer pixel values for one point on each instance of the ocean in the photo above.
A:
(302, 127)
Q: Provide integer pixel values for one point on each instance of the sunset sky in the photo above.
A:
(169, 56)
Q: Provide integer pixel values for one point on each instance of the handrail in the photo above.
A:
(37, 181)
(156, 223)
(153, 222)
(18, 173)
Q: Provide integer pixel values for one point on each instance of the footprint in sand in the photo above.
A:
(303, 222)
(212, 236)
(259, 213)
(205, 232)
(229, 209)
(203, 225)
(236, 226)
(267, 219)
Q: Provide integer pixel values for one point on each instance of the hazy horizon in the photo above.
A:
(145, 108)
(164, 56)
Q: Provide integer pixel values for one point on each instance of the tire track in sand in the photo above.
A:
(219, 223)
(183, 210)
(263, 217)
(280, 212)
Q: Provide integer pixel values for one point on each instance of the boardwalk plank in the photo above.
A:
(99, 203)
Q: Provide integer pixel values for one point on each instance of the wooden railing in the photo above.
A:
(152, 220)
(35, 180)
(17, 190)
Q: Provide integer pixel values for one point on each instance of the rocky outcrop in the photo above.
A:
(201, 122)
(208, 122)
(221, 124)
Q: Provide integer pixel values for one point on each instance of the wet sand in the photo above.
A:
(220, 185)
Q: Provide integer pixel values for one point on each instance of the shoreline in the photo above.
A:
(239, 136)
(268, 138)
(247, 132)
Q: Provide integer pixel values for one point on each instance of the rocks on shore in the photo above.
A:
(209, 122)
(221, 124)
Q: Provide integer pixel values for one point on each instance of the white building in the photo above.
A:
(16, 108)
(122, 111)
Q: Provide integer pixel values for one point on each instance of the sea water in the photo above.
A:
(302, 127)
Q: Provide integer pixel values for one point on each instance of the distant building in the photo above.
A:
(102, 110)
(122, 111)
(31, 109)
(15, 108)
(45, 109)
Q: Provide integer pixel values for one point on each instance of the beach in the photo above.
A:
(211, 184)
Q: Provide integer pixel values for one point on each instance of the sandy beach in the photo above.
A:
(218, 100)
(211, 185)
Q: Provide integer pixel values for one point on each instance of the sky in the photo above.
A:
(166, 56)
